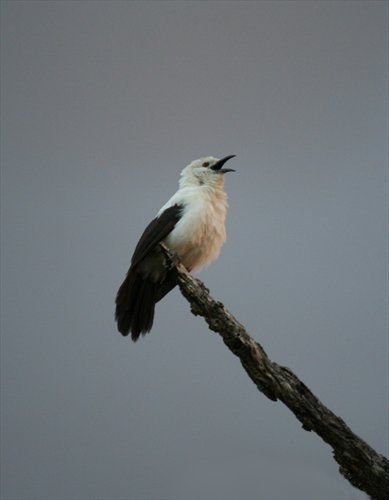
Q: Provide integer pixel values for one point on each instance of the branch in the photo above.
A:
(362, 466)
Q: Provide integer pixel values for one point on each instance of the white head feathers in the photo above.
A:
(207, 172)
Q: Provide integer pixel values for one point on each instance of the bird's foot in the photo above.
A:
(172, 259)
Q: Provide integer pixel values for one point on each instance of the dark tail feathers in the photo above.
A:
(135, 304)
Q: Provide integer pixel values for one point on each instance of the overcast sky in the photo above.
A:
(103, 104)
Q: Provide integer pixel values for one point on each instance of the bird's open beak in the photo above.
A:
(219, 164)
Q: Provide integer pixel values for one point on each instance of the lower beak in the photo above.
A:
(225, 170)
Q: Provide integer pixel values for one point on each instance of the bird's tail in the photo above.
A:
(135, 304)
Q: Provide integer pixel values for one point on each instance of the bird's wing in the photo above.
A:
(156, 231)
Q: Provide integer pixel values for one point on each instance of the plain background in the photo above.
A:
(103, 103)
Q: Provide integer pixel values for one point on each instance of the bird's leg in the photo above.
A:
(172, 260)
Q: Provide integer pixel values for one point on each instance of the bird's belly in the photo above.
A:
(197, 245)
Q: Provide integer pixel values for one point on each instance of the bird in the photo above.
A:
(192, 226)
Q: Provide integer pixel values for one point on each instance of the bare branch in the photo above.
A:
(362, 466)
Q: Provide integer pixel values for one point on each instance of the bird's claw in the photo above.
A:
(173, 260)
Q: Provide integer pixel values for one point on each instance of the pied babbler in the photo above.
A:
(191, 225)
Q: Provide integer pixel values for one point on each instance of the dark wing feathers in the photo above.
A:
(137, 296)
(155, 232)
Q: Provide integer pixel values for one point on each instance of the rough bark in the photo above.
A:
(360, 464)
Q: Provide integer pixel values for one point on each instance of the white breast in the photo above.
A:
(200, 233)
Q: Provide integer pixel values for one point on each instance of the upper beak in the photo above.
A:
(218, 165)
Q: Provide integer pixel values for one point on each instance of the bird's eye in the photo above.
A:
(206, 164)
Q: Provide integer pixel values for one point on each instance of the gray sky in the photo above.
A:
(103, 103)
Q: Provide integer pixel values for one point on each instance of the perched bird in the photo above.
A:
(190, 224)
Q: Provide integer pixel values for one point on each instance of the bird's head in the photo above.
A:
(207, 171)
